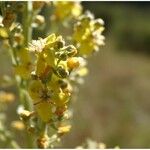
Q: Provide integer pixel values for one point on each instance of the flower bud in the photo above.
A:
(19, 38)
(71, 50)
(62, 72)
(25, 115)
(86, 18)
(98, 23)
(64, 129)
(60, 110)
(43, 141)
(59, 43)
(31, 129)
(73, 62)
(39, 19)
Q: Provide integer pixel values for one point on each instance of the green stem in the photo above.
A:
(12, 50)
(27, 20)
(43, 129)
(27, 31)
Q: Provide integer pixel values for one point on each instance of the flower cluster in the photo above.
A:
(66, 9)
(47, 70)
(88, 34)
(56, 65)
(50, 88)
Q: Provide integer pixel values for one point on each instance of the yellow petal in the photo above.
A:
(64, 129)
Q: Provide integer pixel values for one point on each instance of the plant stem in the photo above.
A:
(27, 19)
(27, 32)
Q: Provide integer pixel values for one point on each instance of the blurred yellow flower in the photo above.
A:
(101, 145)
(88, 34)
(6, 97)
(3, 33)
(64, 9)
(64, 129)
(18, 125)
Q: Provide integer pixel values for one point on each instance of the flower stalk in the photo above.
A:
(47, 82)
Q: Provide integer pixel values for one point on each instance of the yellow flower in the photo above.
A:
(73, 62)
(49, 57)
(41, 100)
(44, 110)
(3, 33)
(88, 34)
(23, 55)
(64, 129)
(40, 65)
(60, 98)
(67, 9)
(45, 63)
(82, 71)
(50, 39)
(23, 71)
(24, 67)
(35, 90)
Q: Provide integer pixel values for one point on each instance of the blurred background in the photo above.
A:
(113, 104)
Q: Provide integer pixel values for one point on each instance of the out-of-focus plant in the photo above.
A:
(91, 144)
(46, 70)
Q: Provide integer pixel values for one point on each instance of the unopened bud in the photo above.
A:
(59, 43)
(39, 19)
(62, 72)
(43, 141)
(25, 115)
(64, 129)
(73, 62)
(71, 50)
(98, 23)
(31, 129)
(19, 38)
(60, 110)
